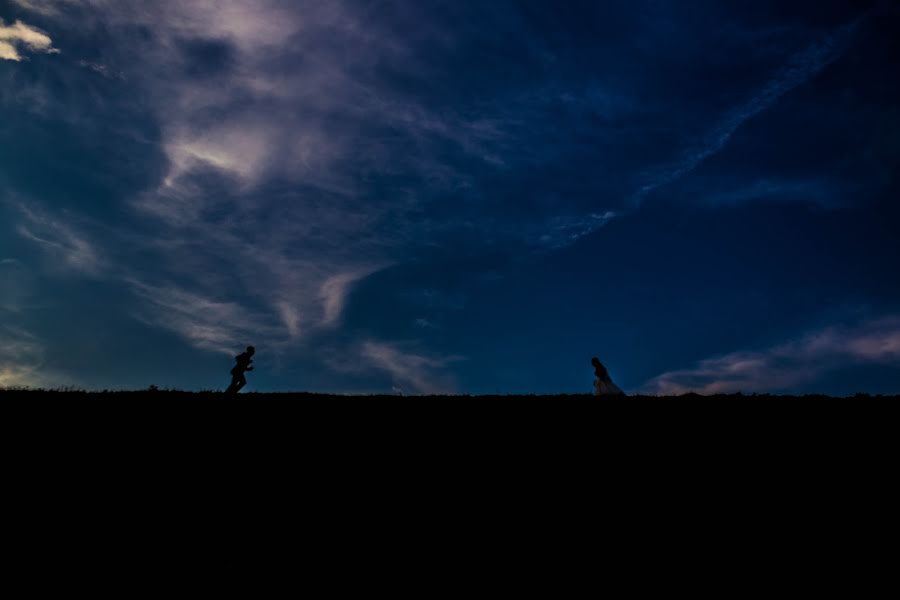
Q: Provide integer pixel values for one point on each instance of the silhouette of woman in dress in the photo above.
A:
(237, 372)
(603, 385)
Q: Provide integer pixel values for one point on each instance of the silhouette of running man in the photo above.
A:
(237, 372)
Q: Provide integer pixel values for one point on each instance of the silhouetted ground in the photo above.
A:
(168, 395)
(383, 443)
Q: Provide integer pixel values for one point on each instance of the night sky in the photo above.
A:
(451, 196)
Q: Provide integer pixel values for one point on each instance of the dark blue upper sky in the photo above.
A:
(442, 196)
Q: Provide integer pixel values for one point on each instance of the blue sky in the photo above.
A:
(450, 196)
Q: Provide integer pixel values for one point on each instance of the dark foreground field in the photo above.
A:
(285, 435)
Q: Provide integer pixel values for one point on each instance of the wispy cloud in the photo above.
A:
(565, 231)
(22, 361)
(424, 323)
(334, 291)
(788, 365)
(800, 69)
(820, 191)
(45, 7)
(206, 323)
(20, 35)
(17, 281)
(62, 240)
(410, 371)
(101, 69)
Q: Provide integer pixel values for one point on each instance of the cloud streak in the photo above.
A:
(788, 365)
(410, 372)
(204, 322)
(20, 35)
(22, 362)
(63, 241)
(45, 7)
(800, 69)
